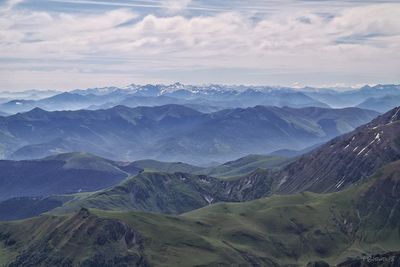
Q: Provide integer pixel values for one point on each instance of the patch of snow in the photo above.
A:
(362, 150)
(340, 183)
(346, 146)
(204, 181)
(248, 182)
(395, 115)
(209, 199)
(378, 137)
(284, 179)
(355, 149)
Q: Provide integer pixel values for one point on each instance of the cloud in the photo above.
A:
(177, 5)
(355, 41)
(10, 4)
(172, 6)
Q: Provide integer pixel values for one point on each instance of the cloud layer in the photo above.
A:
(40, 48)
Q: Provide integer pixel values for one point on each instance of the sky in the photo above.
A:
(69, 44)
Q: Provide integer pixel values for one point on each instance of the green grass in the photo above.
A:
(170, 167)
(282, 230)
(244, 166)
(291, 229)
(5, 255)
(229, 169)
(155, 192)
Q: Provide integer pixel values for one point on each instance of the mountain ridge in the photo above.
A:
(167, 132)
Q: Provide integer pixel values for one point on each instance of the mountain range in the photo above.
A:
(175, 188)
(173, 132)
(352, 98)
(358, 155)
(300, 186)
(207, 98)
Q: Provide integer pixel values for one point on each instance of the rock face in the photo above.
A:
(346, 159)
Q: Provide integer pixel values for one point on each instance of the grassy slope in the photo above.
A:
(283, 229)
(171, 167)
(292, 229)
(245, 165)
(149, 191)
(173, 193)
(229, 169)
(152, 191)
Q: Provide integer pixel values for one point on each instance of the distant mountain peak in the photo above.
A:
(178, 84)
(36, 111)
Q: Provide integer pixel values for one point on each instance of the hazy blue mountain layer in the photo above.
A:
(173, 132)
(62, 174)
(208, 98)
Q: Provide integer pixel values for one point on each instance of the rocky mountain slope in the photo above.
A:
(345, 160)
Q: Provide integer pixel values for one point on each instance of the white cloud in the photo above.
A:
(177, 5)
(10, 4)
(357, 41)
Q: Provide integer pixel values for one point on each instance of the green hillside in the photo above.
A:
(245, 165)
(173, 193)
(164, 187)
(241, 166)
(154, 192)
(170, 167)
(276, 231)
